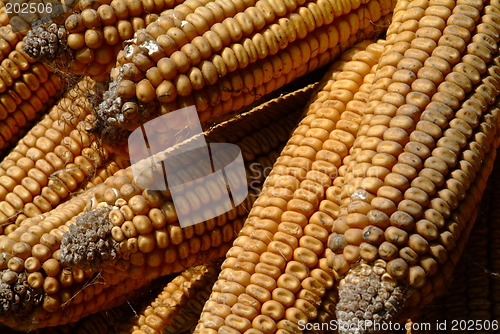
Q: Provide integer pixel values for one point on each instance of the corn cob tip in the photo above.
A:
(368, 296)
(112, 124)
(45, 41)
(88, 243)
(17, 297)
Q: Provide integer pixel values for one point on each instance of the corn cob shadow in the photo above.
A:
(59, 294)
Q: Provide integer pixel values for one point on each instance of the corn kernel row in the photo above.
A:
(8, 40)
(26, 87)
(473, 293)
(232, 67)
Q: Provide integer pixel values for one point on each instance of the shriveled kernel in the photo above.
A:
(368, 252)
(373, 235)
(41, 252)
(409, 255)
(396, 235)
(351, 253)
(16, 264)
(418, 243)
(387, 251)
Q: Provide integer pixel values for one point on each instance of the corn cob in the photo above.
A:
(177, 305)
(461, 303)
(231, 64)
(477, 299)
(54, 294)
(51, 161)
(273, 276)
(107, 321)
(89, 40)
(331, 206)
(58, 294)
(129, 199)
(326, 311)
(473, 294)
(26, 87)
(177, 308)
(400, 213)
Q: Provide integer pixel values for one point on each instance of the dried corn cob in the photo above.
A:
(228, 65)
(55, 288)
(275, 274)
(51, 161)
(177, 308)
(22, 100)
(107, 321)
(433, 122)
(326, 311)
(131, 222)
(26, 88)
(473, 294)
(90, 38)
(49, 284)
(177, 305)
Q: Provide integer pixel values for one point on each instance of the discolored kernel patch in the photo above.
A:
(17, 297)
(368, 296)
(89, 244)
